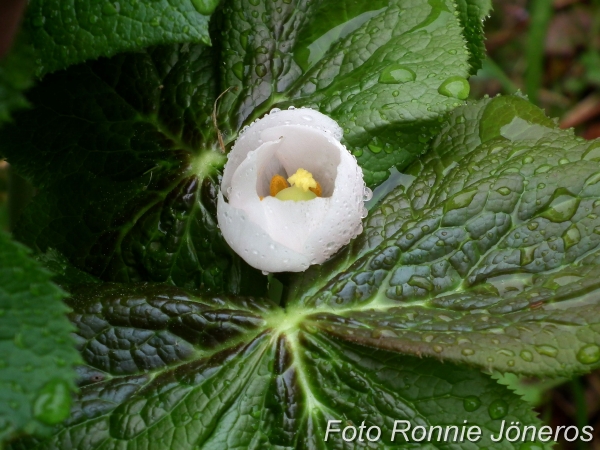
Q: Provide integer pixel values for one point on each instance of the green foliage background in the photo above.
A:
(481, 256)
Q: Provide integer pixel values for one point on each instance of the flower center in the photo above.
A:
(303, 187)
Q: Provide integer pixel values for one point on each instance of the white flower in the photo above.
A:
(276, 235)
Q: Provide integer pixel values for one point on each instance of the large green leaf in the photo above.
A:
(67, 32)
(170, 370)
(377, 67)
(36, 352)
(486, 255)
(124, 156)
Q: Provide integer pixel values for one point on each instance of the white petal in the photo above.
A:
(251, 138)
(254, 244)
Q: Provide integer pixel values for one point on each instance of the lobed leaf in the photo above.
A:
(70, 32)
(126, 154)
(167, 369)
(378, 68)
(472, 15)
(37, 353)
(126, 133)
(486, 255)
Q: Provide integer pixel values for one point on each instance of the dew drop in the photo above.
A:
(571, 237)
(460, 200)
(205, 7)
(438, 348)
(53, 403)
(396, 73)
(547, 350)
(498, 409)
(468, 352)
(589, 354)
(504, 191)
(375, 146)
(561, 209)
(471, 403)
(260, 70)
(420, 282)
(455, 87)
(238, 70)
(526, 356)
(367, 194)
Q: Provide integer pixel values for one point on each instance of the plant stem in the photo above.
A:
(541, 12)
(581, 419)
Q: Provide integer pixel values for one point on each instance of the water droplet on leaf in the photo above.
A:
(205, 7)
(547, 350)
(589, 354)
(455, 87)
(260, 70)
(498, 409)
(53, 403)
(471, 403)
(396, 73)
(526, 356)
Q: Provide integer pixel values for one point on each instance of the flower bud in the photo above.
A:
(320, 211)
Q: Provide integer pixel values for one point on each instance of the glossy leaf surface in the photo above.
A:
(168, 370)
(69, 32)
(486, 255)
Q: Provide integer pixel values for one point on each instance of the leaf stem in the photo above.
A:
(541, 12)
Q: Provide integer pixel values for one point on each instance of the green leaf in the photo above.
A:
(125, 153)
(171, 370)
(378, 68)
(486, 254)
(69, 32)
(472, 15)
(36, 352)
(16, 75)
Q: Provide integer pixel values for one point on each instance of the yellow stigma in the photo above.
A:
(303, 179)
